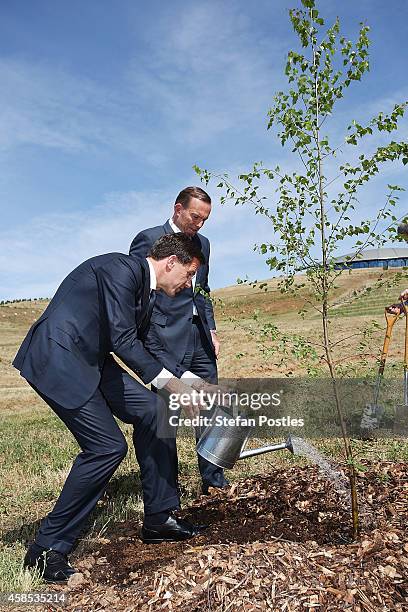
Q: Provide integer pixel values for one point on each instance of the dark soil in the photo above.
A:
(265, 508)
(270, 540)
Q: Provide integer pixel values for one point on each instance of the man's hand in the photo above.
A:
(215, 342)
(404, 295)
(224, 395)
(189, 401)
(398, 308)
(394, 309)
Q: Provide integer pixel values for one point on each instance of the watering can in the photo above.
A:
(222, 443)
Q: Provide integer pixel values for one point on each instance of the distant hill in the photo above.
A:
(356, 304)
(244, 299)
(235, 307)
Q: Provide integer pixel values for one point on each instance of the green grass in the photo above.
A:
(13, 578)
(37, 452)
(370, 304)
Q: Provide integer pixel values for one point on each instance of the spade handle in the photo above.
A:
(390, 318)
(404, 306)
(405, 309)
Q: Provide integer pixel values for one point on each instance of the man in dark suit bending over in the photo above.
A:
(184, 327)
(104, 306)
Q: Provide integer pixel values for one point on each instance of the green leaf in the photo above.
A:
(308, 3)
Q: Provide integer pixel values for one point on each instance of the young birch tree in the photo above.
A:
(315, 209)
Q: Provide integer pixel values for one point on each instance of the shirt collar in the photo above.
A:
(174, 227)
(153, 279)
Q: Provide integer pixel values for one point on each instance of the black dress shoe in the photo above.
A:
(52, 565)
(173, 530)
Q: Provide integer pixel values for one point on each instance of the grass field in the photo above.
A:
(36, 450)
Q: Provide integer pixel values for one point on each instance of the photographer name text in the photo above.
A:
(238, 421)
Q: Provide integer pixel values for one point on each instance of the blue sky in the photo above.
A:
(105, 106)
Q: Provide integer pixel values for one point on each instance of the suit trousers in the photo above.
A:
(200, 360)
(103, 446)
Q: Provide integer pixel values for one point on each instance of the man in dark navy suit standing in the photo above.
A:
(184, 327)
(103, 307)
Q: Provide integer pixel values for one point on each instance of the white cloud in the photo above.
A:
(200, 74)
(184, 92)
(203, 72)
(44, 105)
(53, 245)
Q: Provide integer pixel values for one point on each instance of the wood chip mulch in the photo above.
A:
(278, 542)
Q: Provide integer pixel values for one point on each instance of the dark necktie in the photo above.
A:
(148, 313)
(152, 299)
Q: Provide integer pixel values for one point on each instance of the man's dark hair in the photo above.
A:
(192, 192)
(178, 244)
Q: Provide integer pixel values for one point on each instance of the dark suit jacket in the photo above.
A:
(170, 323)
(97, 309)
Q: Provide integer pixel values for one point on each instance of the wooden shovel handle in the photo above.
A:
(390, 318)
(405, 309)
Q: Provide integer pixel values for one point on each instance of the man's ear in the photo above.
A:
(178, 207)
(171, 260)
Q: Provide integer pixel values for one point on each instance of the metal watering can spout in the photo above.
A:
(223, 441)
(267, 449)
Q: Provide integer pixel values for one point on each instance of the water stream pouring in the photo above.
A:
(223, 441)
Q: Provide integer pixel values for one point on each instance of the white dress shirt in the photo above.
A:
(164, 375)
(176, 230)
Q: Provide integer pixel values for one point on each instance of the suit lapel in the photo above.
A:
(197, 241)
(146, 288)
(148, 301)
(167, 228)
